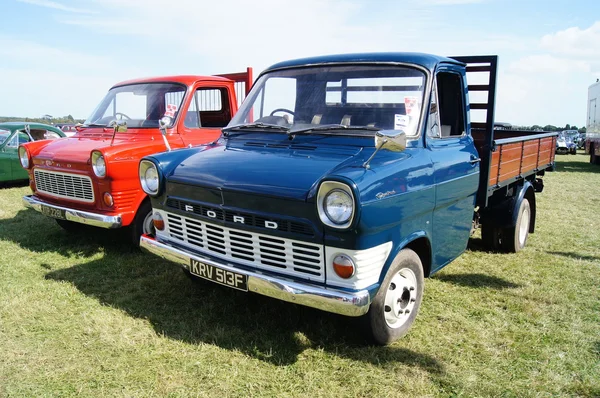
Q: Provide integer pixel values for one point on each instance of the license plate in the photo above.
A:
(54, 213)
(219, 275)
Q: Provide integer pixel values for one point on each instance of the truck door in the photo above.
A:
(210, 110)
(456, 167)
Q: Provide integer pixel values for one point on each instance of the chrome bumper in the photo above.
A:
(82, 217)
(336, 301)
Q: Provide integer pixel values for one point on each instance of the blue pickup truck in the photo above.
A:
(344, 180)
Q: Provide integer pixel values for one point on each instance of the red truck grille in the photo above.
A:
(64, 185)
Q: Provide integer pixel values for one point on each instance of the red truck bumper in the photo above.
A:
(78, 216)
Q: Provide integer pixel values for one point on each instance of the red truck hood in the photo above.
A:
(77, 149)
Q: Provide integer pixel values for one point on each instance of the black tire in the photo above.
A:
(406, 273)
(142, 223)
(514, 239)
(490, 235)
(593, 158)
(70, 226)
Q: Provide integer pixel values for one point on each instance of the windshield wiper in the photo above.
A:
(332, 127)
(93, 125)
(257, 125)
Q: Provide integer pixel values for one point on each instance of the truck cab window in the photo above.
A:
(209, 108)
(450, 104)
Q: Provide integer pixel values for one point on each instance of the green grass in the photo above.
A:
(87, 316)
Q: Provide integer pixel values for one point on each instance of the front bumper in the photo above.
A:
(336, 301)
(79, 216)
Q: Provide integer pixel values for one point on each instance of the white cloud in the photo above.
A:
(575, 42)
(549, 64)
(56, 6)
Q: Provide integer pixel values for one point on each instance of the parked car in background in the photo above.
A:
(69, 129)
(91, 178)
(581, 142)
(13, 134)
(565, 144)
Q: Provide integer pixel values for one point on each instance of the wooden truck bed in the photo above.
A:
(515, 155)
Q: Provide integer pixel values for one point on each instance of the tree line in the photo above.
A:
(550, 127)
(55, 120)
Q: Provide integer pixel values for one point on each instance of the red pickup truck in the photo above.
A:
(92, 177)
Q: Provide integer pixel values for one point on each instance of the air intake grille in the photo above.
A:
(63, 185)
(285, 256)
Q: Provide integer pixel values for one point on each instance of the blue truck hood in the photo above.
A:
(280, 169)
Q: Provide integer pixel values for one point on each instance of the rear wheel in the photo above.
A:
(593, 158)
(397, 302)
(515, 238)
(142, 223)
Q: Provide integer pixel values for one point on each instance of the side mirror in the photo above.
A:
(164, 123)
(120, 126)
(392, 140)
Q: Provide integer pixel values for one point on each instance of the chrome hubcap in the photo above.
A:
(400, 298)
(148, 225)
(524, 228)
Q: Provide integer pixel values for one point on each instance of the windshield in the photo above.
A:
(140, 105)
(4, 134)
(349, 97)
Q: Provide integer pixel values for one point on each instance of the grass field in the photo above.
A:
(88, 316)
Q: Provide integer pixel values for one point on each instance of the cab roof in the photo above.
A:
(428, 61)
(183, 79)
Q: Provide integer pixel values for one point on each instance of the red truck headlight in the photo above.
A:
(98, 164)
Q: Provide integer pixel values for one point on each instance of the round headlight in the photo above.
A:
(24, 157)
(98, 164)
(149, 178)
(338, 206)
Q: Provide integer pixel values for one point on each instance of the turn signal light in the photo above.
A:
(343, 266)
(108, 199)
(158, 222)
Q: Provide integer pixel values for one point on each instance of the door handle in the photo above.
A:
(474, 160)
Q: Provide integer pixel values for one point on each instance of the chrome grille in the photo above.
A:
(249, 219)
(64, 185)
(265, 252)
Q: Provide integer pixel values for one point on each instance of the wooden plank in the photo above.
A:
(493, 179)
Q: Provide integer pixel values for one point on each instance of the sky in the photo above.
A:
(60, 57)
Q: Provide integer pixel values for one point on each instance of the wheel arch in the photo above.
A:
(527, 191)
(418, 242)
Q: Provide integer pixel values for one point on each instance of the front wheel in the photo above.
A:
(515, 238)
(397, 302)
(142, 223)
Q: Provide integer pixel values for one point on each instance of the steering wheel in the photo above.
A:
(282, 110)
(122, 115)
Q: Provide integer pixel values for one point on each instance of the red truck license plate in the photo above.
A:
(219, 275)
(54, 213)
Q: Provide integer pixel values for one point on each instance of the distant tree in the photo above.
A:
(550, 127)
(70, 118)
(582, 130)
